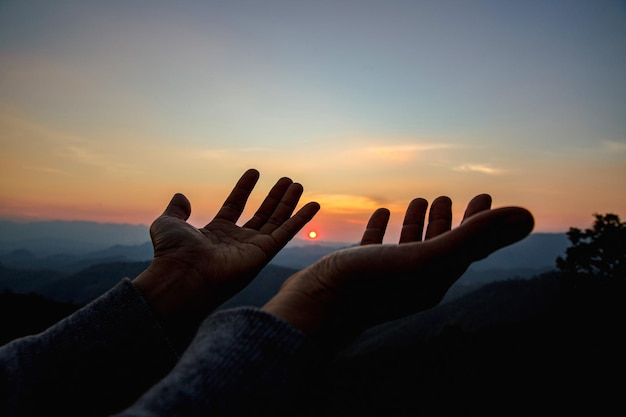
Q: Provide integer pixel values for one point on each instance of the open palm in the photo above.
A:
(198, 269)
(356, 288)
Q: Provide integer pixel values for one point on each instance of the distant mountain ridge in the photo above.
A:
(56, 246)
(132, 242)
(68, 237)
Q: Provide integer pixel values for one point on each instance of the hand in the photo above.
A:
(195, 270)
(356, 288)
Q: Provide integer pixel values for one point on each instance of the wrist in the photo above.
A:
(177, 312)
(301, 305)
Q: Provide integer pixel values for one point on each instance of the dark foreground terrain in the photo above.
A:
(510, 348)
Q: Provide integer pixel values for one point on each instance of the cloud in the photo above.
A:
(614, 146)
(346, 203)
(228, 153)
(44, 169)
(481, 168)
(404, 152)
(96, 159)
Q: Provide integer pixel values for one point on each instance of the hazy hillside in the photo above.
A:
(537, 251)
(26, 281)
(88, 284)
(264, 286)
(45, 241)
(68, 237)
(103, 258)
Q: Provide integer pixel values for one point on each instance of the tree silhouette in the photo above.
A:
(599, 252)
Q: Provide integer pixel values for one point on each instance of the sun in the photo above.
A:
(312, 234)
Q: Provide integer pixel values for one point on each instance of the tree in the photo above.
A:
(599, 252)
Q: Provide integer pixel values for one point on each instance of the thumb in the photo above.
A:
(486, 232)
(179, 207)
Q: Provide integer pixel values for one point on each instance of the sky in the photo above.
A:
(108, 108)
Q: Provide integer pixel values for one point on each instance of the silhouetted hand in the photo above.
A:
(195, 270)
(356, 288)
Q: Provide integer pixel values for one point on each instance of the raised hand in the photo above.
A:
(355, 288)
(195, 270)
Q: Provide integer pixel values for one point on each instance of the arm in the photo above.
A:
(114, 347)
(254, 361)
(98, 359)
(242, 362)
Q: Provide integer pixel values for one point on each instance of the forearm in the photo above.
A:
(100, 359)
(242, 362)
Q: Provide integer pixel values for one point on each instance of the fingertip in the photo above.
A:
(376, 227)
(477, 204)
(315, 206)
(522, 219)
(297, 186)
(442, 200)
(379, 219)
(416, 209)
(311, 209)
(179, 207)
(382, 213)
(499, 228)
(252, 172)
(419, 201)
(250, 177)
(484, 198)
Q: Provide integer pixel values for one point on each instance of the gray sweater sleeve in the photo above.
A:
(242, 362)
(96, 362)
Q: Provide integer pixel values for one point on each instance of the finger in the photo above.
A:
(476, 205)
(236, 201)
(179, 207)
(285, 208)
(288, 229)
(477, 238)
(488, 231)
(440, 217)
(376, 226)
(413, 224)
(269, 204)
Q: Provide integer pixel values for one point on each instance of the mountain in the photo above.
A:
(532, 256)
(71, 263)
(537, 251)
(299, 257)
(265, 285)
(86, 285)
(27, 281)
(58, 244)
(68, 237)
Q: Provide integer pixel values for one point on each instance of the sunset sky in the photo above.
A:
(109, 107)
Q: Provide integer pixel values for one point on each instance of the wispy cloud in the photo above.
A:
(481, 168)
(346, 203)
(46, 170)
(614, 146)
(89, 157)
(228, 152)
(405, 152)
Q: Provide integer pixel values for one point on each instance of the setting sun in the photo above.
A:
(312, 234)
